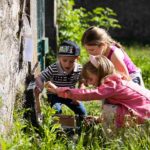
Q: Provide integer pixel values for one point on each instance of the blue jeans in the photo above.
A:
(137, 80)
(56, 103)
(137, 77)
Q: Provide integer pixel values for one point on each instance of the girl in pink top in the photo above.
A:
(98, 42)
(130, 98)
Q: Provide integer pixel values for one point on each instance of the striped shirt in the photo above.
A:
(55, 74)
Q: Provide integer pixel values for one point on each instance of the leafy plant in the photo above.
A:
(103, 17)
(69, 21)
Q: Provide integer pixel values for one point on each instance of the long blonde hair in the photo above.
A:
(95, 36)
(104, 68)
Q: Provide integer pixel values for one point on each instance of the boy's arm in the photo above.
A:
(39, 85)
(37, 101)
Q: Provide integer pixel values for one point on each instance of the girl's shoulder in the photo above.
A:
(114, 50)
(113, 78)
(111, 82)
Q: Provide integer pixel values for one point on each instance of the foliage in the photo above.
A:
(50, 58)
(24, 136)
(69, 21)
(72, 22)
(103, 17)
(92, 137)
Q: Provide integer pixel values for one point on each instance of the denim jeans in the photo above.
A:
(137, 80)
(56, 103)
(137, 77)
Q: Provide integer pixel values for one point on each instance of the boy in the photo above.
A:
(64, 72)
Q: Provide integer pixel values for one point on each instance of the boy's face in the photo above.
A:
(67, 62)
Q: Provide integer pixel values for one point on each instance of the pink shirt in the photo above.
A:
(129, 64)
(131, 97)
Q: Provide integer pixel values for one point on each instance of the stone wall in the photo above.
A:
(133, 15)
(13, 69)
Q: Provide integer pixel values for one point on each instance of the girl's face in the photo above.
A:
(67, 63)
(95, 49)
(92, 79)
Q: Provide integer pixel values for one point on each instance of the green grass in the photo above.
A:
(141, 57)
(51, 136)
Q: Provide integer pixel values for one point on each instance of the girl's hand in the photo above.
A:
(89, 120)
(62, 91)
(92, 120)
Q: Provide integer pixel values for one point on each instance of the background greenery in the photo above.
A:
(73, 22)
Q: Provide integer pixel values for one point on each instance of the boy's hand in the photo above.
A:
(50, 87)
(75, 102)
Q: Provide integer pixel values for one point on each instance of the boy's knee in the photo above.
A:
(82, 110)
(57, 107)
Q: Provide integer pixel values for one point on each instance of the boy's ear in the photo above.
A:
(78, 57)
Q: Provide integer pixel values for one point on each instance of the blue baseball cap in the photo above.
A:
(69, 48)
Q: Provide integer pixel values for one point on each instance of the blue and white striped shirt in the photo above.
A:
(55, 74)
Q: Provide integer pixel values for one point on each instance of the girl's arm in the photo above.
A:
(104, 91)
(117, 60)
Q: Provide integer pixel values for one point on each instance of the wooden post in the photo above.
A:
(50, 23)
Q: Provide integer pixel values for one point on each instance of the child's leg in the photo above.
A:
(78, 109)
(109, 112)
(55, 103)
(116, 116)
